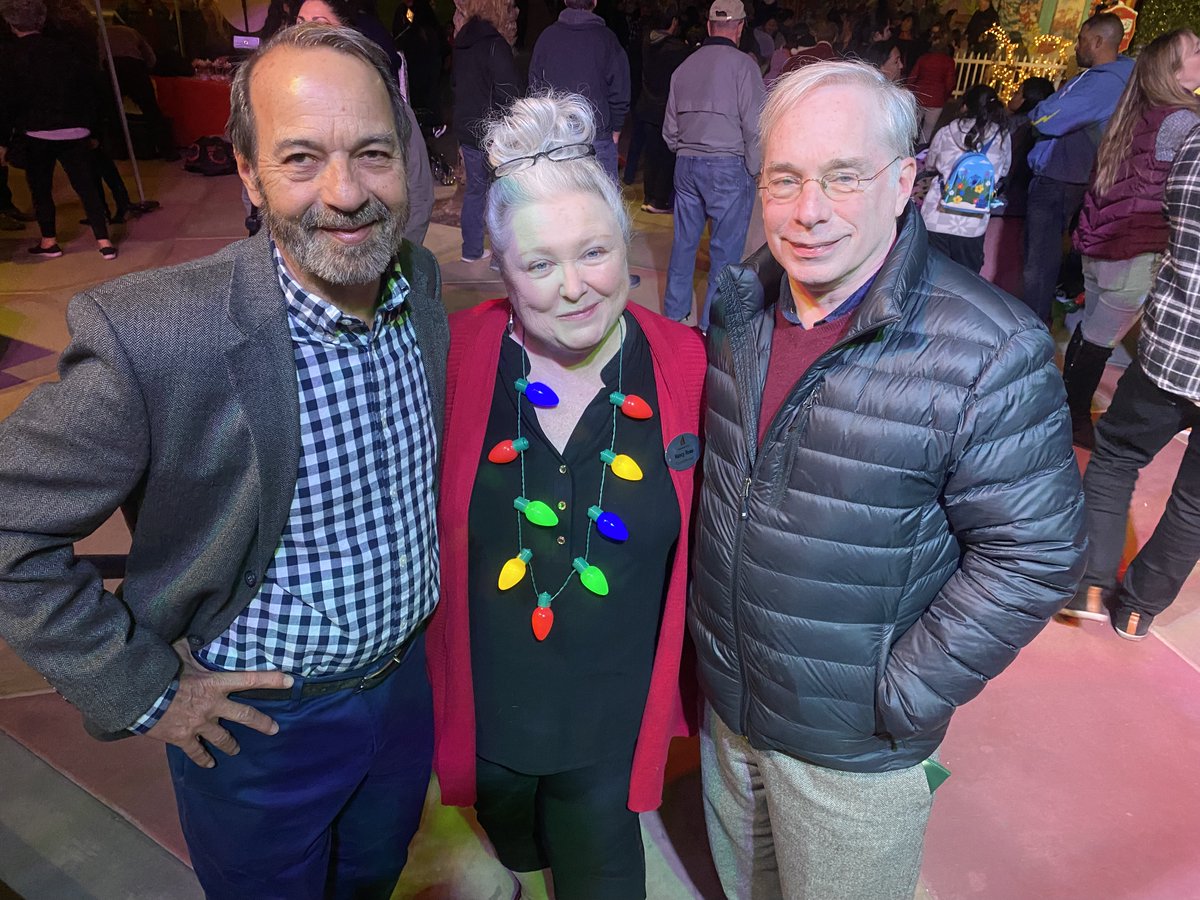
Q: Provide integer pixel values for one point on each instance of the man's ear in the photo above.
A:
(249, 177)
(905, 181)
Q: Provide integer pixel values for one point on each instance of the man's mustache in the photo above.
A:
(374, 210)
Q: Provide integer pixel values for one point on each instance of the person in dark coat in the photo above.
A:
(485, 82)
(48, 109)
(664, 50)
(890, 507)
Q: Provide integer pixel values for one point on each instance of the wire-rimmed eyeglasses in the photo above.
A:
(554, 154)
(836, 185)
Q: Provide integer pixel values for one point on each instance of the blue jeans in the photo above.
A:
(327, 806)
(706, 187)
(1052, 206)
(474, 202)
(1137, 425)
(606, 154)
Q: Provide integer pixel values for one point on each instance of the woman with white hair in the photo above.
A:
(566, 495)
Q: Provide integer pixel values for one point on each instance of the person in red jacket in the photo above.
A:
(1122, 230)
(566, 498)
(932, 80)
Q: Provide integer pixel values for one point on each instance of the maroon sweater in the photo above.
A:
(1128, 219)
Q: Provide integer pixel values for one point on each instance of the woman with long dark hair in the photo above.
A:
(980, 127)
(1122, 231)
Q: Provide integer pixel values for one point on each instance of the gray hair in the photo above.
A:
(897, 105)
(534, 125)
(310, 35)
(24, 15)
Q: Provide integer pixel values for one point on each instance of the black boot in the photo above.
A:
(1083, 367)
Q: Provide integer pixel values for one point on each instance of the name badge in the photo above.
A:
(683, 452)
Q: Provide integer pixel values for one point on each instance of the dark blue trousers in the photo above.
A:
(324, 808)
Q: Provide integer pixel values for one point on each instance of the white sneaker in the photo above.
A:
(487, 254)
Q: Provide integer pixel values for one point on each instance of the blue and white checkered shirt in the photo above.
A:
(356, 568)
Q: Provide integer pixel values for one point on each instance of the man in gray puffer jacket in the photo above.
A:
(891, 508)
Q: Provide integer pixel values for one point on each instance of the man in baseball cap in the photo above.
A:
(711, 125)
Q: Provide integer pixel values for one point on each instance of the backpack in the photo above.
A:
(211, 155)
(971, 188)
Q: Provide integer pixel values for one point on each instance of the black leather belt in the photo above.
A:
(323, 688)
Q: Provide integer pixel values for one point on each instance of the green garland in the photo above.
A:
(1160, 16)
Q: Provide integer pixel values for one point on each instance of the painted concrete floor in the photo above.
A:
(56, 841)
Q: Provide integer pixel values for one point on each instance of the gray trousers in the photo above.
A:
(782, 828)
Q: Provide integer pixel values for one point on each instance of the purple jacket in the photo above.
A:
(1128, 220)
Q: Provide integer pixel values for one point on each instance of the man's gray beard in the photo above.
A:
(319, 255)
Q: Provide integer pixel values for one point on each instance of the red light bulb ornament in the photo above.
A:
(593, 579)
(543, 616)
(608, 524)
(631, 405)
(537, 392)
(622, 466)
(536, 512)
(514, 570)
(507, 451)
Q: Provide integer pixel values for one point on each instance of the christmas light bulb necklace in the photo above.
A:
(538, 513)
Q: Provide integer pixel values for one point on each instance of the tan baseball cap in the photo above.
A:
(726, 11)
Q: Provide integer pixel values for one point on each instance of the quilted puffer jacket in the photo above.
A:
(912, 519)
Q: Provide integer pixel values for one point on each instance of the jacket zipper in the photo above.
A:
(737, 335)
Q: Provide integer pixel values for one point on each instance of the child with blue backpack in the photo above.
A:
(970, 155)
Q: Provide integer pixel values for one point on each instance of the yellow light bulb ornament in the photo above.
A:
(514, 570)
(622, 466)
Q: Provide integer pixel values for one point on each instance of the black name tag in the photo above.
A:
(683, 452)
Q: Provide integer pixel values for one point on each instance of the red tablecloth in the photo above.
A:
(196, 106)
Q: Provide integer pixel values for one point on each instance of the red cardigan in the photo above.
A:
(679, 366)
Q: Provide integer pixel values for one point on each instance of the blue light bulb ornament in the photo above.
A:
(608, 524)
(538, 393)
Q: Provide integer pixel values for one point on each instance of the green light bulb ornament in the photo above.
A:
(593, 579)
(536, 512)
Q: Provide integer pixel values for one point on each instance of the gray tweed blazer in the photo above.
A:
(177, 404)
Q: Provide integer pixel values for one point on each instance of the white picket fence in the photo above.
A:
(972, 70)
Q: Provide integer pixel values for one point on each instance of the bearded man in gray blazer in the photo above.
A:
(267, 420)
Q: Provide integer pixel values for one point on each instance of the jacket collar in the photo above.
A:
(576, 18)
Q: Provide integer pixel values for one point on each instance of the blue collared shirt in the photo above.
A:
(355, 572)
(787, 303)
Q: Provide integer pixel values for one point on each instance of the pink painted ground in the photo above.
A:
(1075, 776)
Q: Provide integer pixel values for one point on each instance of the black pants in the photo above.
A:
(76, 160)
(658, 178)
(105, 171)
(966, 251)
(578, 823)
(6, 197)
(135, 82)
(1139, 423)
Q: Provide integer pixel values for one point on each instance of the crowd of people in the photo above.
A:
(526, 545)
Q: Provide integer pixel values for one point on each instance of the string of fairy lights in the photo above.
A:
(1048, 54)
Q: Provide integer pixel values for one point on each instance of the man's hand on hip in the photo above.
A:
(202, 700)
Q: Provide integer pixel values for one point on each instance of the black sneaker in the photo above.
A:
(1088, 603)
(1131, 624)
(634, 280)
(52, 252)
